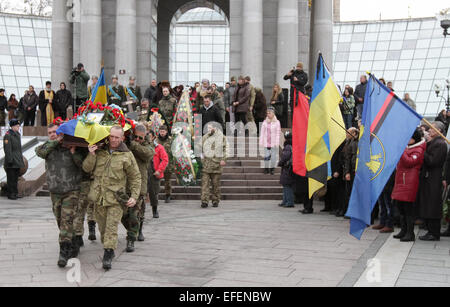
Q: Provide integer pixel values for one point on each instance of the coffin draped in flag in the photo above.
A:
(387, 125)
(99, 91)
(326, 129)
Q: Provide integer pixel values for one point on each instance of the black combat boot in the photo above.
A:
(402, 232)
(130, 246)
(215, 205)
(204, 205)
(272, 171)
(167, 199)
(266, 171)
(65, 249)
(107, 259)
(91, 225)
(141, 237)
(409, 236)
(75, 251)
(155, 212)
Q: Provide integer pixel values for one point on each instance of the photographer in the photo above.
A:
(80, 78)
(298, 78)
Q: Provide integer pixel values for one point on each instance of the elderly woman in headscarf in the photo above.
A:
(431, 183)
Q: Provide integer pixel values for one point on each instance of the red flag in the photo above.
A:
(299, 132)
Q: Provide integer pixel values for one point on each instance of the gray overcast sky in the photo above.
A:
(390, 9)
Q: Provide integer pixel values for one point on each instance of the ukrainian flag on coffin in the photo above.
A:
(92, 133)
(388, 124)
(99, 92)
(326, 129)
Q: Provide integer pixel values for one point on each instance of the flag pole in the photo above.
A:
(341, 126)
(436, 130)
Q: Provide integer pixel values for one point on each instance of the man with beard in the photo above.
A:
(166, 141)
(46, 96)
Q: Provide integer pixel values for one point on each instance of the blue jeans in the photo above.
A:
(386, 218)
(288, 195)
(348, 120)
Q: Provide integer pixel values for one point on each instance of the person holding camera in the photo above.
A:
(80, 78)
(298, 79)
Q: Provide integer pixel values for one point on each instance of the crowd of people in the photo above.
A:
(110, 181)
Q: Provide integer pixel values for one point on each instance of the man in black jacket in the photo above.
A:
(3, 105)
(151, 91)
(298, 79)
(30, 102)
(13, 157)
(210, 112)
(359, 94)
(62, 101)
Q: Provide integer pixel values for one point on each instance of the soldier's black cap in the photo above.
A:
(14, 122)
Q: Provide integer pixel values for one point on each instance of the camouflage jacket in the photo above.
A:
(143, 153)
(167, 144)
(112, 173)
(168, 107)
(63, 169)
(215, 150)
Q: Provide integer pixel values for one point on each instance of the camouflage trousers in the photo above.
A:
(211, 187)
(64, 209)
(84, 206)
(131, 219)
(108, 219)
(167, 182)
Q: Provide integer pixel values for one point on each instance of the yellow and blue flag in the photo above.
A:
(387, 126)
(99, 92)
(91, 133)
(326, 128)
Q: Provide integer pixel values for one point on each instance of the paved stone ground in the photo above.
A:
(251, 243)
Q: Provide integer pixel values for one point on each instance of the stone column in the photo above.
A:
(252, 41)
(322, 32)
(126, 39)
(287, 41)
(62, 44)
(91, 36)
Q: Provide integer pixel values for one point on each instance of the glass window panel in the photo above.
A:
(386, 27)
(360, 28)
(404, 64)
(28, 41)
(9, 82)
(352, 66)
(384, 36)
(413, 25)
(434, 53)
(422, 97)
(340, 66)
(4, 50)
(336, 29)
(7, 70)
(444, 62)
(37, 83)
(25, 22)
(431, 63)
(194, 57)
(218, 67)
(41, 42)
(371, 37)
(369, 46)
(429, 73)
(355, 56)
(30, 51)
(206, 57)
(194, 66)
(39, 23)
(17, 50)
(45, 62)
(382, 46)
(428, 24)
(368, 55)
(378, 65)
(217, 57)
(396, 45)
(4, 39)
(356, 47)
(412, 34)
(391, 64)
(358, 37)
(415, 74)
(5, 60)
(345, 38)
(426, 85)
(436, 43)
(182, 57)
(206, 66)
(194, 39)
(418, 64)
(219, 49)
(32, 61)
(381, 55)
(442, 73)
(27, 31)
(393, 55)
(22, 81)
(343, 47)
(366, 65)
(389, 74)
(15, 40)
(3, 30)
(373, 27)
(400, 85)
(425, 33)
(409, 44)
(421, 54)
(21, 71)
(18, 60)
(402, 75)
(412, 85)
(342, 56)
(400, 26)
(397, 36)
(181, 39)
(407, 54)
(351, 76)
(13, 30)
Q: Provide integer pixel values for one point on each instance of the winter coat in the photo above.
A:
(12, 147)
(299, 85)
(430, 184)
(441, 118)
(287, 174)
(63, 100)
(278, 106)
(62, 168)
(348, 157)
(3, 103)
(215, 150)
(160, 161)
(113, 172)
(270, 133)
(30, 100)
(212, 114)
(360, 92)
(242, 95)
(81, 80)
(168, 107)
(407, 174)
(12, 107)
(348, 105)
(150, 93)
(143, 153)
(260, 108)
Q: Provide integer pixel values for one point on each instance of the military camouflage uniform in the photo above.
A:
(143, 115)
(250, 117)
(168, 107)
(113, 171)
(63, 178)
(167, 143)
(84, 206)
(143, 153)
(215, 149)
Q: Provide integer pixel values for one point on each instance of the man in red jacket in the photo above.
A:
(156, 172)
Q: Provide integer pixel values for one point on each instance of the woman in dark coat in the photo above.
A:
(407, 184)
(13, 105)
(430, 186)
(63, 100)
(260, 108)
(287, 175)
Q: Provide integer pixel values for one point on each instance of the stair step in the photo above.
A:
(233, 189)
(247, 170)
(263, 196)
(238, 183)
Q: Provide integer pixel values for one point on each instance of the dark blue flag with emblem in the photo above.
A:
(387, 125)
